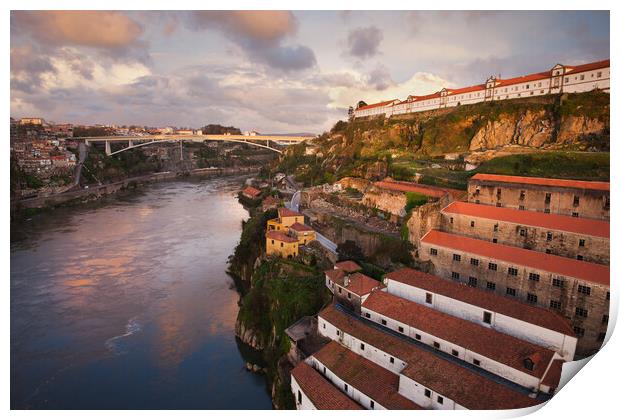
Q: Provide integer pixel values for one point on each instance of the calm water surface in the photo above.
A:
(126, 304)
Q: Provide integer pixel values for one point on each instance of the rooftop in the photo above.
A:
(348, 266)
(587, 271)
(488, 300)
(284, 212)
(503, 348)
(579, 225)
(547, 182)
(375, 105)
(458, 383)
(322, 393)
(251, 191)
(412, 187)
(336, 275)
(300, 227)
(279, 236)
(376, 382)
(361, 284)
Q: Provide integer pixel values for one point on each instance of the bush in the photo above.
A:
(414, 200)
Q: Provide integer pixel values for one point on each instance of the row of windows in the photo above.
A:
(580, 332)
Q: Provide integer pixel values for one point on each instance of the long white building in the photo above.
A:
(559, 79)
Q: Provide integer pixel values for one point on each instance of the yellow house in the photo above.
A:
(278, 243)
(303, 233)
(285, 219)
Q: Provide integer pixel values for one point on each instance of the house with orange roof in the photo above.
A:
(285, 219)
(588, 199)
(578, 290)
(349, 286)
(566, 236)
(280, 244)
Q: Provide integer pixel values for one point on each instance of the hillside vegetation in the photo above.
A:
(571, 129)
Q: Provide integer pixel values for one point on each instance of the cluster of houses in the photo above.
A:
(286, 233)
(559, 79)
(517, 284)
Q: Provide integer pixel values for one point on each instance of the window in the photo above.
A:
(584, 290)
(580, 257)
(367, 315)
(547, 211)
(522, 208)
(532, 298)
(383, 322)
(547, 251)
(499, 192)
(495, 227)
(362, 346)
(440, 399)
(418, 337)
(474, 261)
(575, 214)
(582, 242)
(576, 201)
(429, 298)
(558, 283)
(451, 220)
(472, 223)
(372, 404)
(281, 244)
(427, 393)
(555, 304)
(599, 74)
(547, 198)
(400, 329)
(534, 277)
(512, 271)
(580, 312)
(346, 388)
(607, 296)
(522, 195)
(493, 266)
(339, 289)
(490, 285)
(324, 326)
(498, 204)
(581, 77)
(272, 242)
(511, 292)
(494, 240)
(433, 251)
(456, 257)
(338, 332)
(299, 397)
(486, 317)
(522, 231)
(436, 344)
(455, 353)
(476, 362)
(456, 275)
(579, 332)
(391, 360)
(605, 319)
(349, 295)
(549, 236)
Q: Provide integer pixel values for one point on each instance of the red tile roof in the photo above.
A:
(587, 271)
(466, 89)
(599, 228)
(279, 236)
(425, 97)
(503, 348)
(321, 392)
(587, 67)
(336, 275)
(546, 182)
(376, 382)
(348, 266)
(300, 227)
(523, 79)
(490, 301)
(284, 212)
(375, 105)
(467, 388)
(412, 187)
(553, 376)
(361, 284)
(251, 191)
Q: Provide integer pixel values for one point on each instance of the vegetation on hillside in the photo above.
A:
(101, 168)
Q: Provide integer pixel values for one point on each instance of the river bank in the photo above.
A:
(96, 192)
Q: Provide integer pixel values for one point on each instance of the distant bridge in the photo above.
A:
(264, 141)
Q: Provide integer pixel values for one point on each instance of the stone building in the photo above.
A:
(312, 391)
(579, 238)
(556, 196)
(303, 233)
(577, 289)
(349, 286)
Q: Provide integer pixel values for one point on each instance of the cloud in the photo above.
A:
(364, 42)
(260, 34)
(380, 78)
(28, 67)
(105, 30)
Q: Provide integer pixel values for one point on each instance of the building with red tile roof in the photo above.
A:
(374, 382)
(308, 384)
(350, 288)
(251, 192)
(514, 359)
(425, 378)
(548, 182)
(531, 323)
(403, 186)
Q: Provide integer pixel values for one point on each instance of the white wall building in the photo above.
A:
(559, 79)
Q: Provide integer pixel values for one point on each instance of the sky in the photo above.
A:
(273, 71)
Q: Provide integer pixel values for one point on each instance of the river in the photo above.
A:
(126, 304)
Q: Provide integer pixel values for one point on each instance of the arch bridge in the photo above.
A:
(263, 141)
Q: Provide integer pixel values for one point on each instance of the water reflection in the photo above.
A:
(126, 304)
